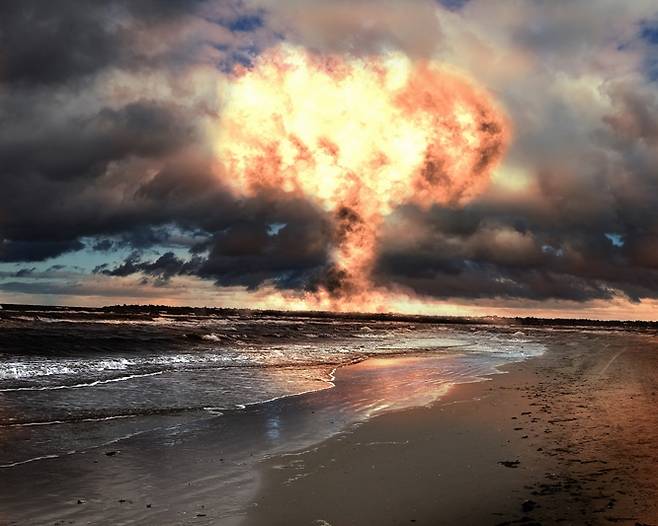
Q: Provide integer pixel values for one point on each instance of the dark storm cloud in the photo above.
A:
(103, 245)
(38, 38)
(248, 253)
(14, 251)
(83, 147)
(62, 40)
(83, 181)
(163, 268)
(58, 139)
(88, 150)
(548, 246)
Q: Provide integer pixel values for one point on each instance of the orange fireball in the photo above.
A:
(358, 136)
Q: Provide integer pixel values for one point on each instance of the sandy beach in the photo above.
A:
(564, 438)
(567, 438)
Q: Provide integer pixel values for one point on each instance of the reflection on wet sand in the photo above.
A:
(206, 466)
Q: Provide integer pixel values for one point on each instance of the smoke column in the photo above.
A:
(358, 137)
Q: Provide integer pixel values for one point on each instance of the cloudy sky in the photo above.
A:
(109, 191)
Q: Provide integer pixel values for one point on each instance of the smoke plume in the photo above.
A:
(357, 136)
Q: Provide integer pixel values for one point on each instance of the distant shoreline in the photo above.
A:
(157, 310)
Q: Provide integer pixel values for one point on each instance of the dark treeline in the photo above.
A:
(149, 311)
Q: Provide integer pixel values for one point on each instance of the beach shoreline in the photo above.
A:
(567, 437)
(564, 437)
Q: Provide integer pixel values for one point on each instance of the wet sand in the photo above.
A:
(567, 438)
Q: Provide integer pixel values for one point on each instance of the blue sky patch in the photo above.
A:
(453, 5)
(246, 23)
(273, 229)
(616, 239)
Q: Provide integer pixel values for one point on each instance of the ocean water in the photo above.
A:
(75, 381)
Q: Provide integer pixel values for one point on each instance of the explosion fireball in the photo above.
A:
(358, 137)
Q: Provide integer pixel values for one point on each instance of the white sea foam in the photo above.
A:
(49, 374)
(18, 370)
(59, 422)
(81, 385)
